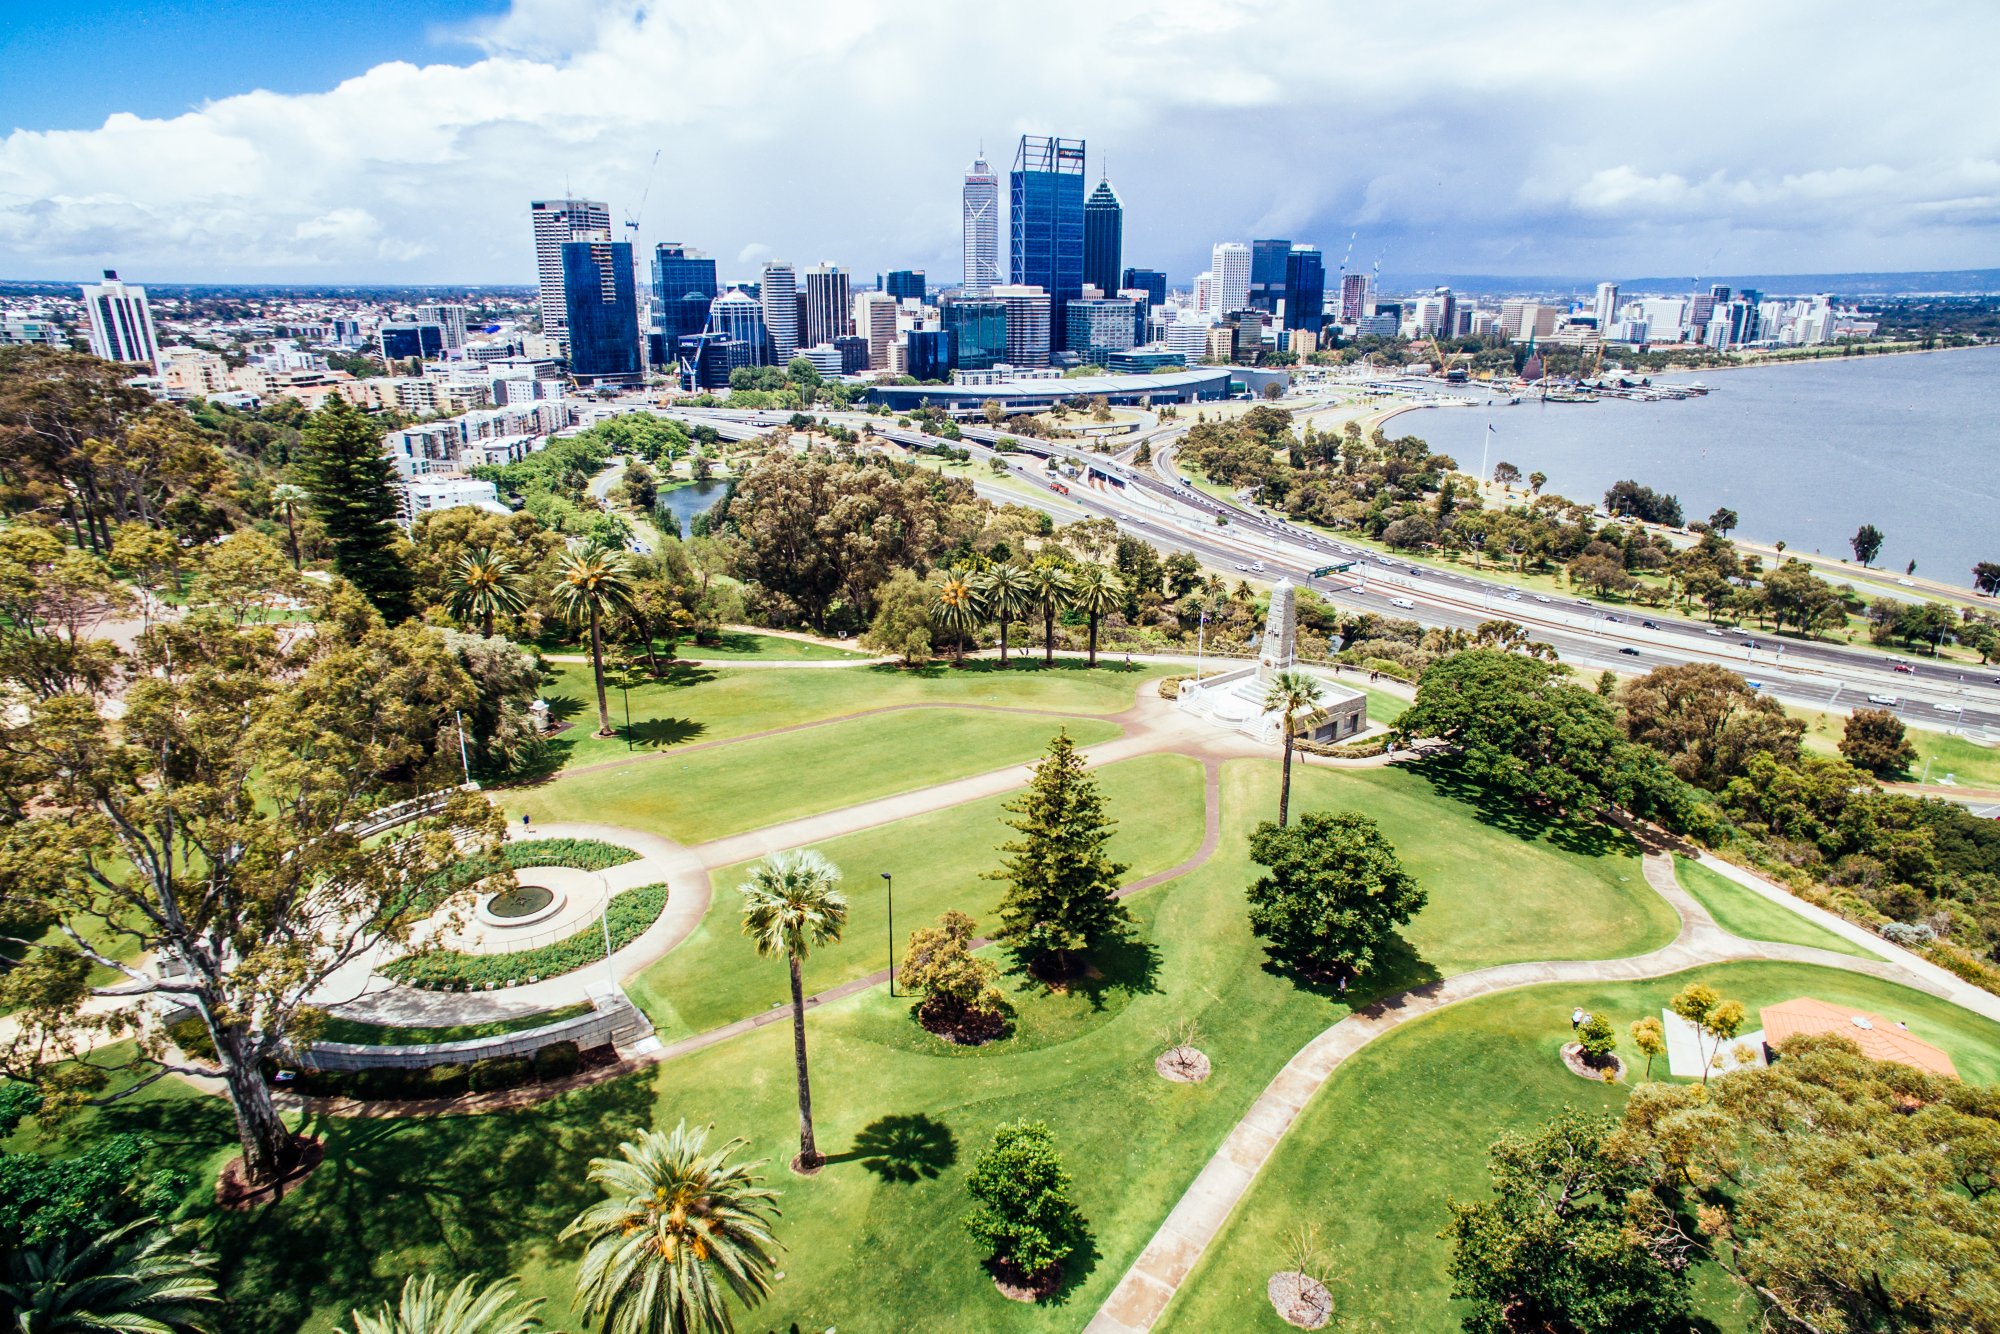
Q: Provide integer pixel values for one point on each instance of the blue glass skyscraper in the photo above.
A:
(903, 283)
(1103, 239)
(603, 309)
(683, 287)
(1150, 281)
(1268, 260)
(1305, 289)
(978, 326)
(1046, 233)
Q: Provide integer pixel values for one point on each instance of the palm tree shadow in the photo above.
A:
(658, 733)
(903, 1147)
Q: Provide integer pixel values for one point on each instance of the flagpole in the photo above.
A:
(1483, 448)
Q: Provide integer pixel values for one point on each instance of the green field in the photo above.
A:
(1404, 1125)
(747, 645)
(1965, 762)
(706, 794)
(937, 860)
(1748, 914)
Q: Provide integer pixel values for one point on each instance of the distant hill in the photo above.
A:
(1937, 282)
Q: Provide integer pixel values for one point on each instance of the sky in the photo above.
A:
(399, 141)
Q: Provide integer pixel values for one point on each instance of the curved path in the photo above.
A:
(1141, 1296)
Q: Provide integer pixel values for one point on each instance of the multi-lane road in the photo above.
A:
(1239, 540)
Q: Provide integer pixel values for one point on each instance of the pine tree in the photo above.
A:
(1060, 883)
(348, 477)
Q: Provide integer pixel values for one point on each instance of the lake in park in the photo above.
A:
(684, 502)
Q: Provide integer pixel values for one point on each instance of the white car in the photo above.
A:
(1511, 597)
(1713, 631)
(1545, 601)
(1886, 701)
(1404, 603)
(1257, 565)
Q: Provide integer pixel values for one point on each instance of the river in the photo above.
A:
(1804, 453)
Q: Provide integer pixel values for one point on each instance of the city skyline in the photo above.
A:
(1443, 154)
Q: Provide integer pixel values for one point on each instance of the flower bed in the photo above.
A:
(448, 970)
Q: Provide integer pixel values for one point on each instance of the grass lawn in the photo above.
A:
(1746, 913)
(706, 794)
(1499, 892)
(1405, 1125)
(744, 644)
(389, 1035)
(937, 859)
(699, 702)
(1966, 762)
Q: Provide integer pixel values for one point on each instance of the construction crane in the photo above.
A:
(632, 218)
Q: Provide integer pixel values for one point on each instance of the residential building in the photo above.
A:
(1268, 263)
(875, 320)
(556, 223)
(450, 320)
(827, 302)
(779, 292)
(1187, 338)
(1027, 323)
(121, 322)
(1103, 238)
(1152, 281)
(980, 220)
(1304, 290)
(1230, 266)
(1220, 343)
(415, 498)
(1606, 305)
(1204, 293)
(30, 329)
(1046, 236)
(683, 288)
(194, 372)
(928, 354)
(602, 310)
(978, 326)
(1095, 328)
(908, 284)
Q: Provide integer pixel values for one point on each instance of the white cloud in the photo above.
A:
(1453, 135)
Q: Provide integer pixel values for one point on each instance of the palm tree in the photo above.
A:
(1098, 591)
(125, 1279)
(955, 608)
(792, 902)
(485, 585)
(288, 499)
(1053, 591)
(590, 583)
(1009, 591)
(1289, 693)
(465, 1309)
(677, 1226)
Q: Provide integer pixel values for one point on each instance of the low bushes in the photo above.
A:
(447, 970)
(1170, 687)
(558, 1060)
(583, 854)
(1353, 750)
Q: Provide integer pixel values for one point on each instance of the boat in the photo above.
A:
(1568, 396)
(1696, 387)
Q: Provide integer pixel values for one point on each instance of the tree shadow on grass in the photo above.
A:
(1397, 968)
(1122, 962)
(658, 733)
(903, 1147)
(1499, 810)
(396, 1196)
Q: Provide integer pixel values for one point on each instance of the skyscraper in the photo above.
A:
(1230, 265)
(1267, 273)
(903, 284)
(1606, 308)
(1046, 236)
(981, 223)
(875, 320)
(557, 222)
(1103, 238)
(978, 326)
(683, 287)
(827, 304)
(1305, 289)
(1353, 297)
(1151, 281)
(601, 312)
(1027, 324)
(1097, 328)
(780, 294)
(121, 322)
(1447, 322)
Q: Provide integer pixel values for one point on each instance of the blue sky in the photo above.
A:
(364, 140)
(71, 63)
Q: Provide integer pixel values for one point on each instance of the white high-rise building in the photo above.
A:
(981, 221)
(780, 294)
(121, 322)
(827, 304)
(1027, 323)
(1204, 294)
(1187, 338)
(875, 320)
(1230, 263)
(1606, 308)
(558, 222)
(450, 321)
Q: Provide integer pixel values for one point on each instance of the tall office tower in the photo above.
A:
(875, 320)
(978, 326)
(1027, 324)
(903, 284)
(1204, 293)
(121, 322)
(1046, 236)
(827, 304)
(1103, 238)
(1447, 322)
(1268, 260)
(736, 317)
(1098, 327)
(1230, 265)
(980, 218)
(1305, 289)
(1721, 293)
(683, 288)
(450, 321)
(1353, 297)
(779, 292)
(1700, 308)
(1606, 305)
(557, 222)
(601, 311)
(1151, 281)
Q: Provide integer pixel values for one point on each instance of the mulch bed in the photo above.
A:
(234, 1192)
(1016, 1286)
(1578, 1065)
(1183, 1065)
(962, 1027)
(1300, 1300)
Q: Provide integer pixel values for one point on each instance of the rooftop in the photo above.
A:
(1879, 1039)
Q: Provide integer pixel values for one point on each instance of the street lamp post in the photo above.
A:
(626, 691)
(891, 882)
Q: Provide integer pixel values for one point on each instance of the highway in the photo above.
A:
(1250, 544)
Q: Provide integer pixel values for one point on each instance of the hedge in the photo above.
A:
(557, 1060)
(582, 854)
(631, 913)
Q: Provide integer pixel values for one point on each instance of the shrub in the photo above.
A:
(1022, 1212)
(500, 1073)
(558, 1060)
(582, 854)
(1910, 935)
(631, 913)
(1598, 1039)
(1170, 687)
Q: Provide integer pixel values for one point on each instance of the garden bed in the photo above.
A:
(556, 1061)
(631, 913)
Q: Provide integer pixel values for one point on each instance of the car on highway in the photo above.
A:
(1615, 620)
(1713, 631)
(1241, 566)
(1906, 583)
(1650, 625)
(1257, 565)
(1511, 597)
(1886, 701)
(1404, 603)
(1383, 560)
(1748, 643)
(1903, 667)
(1545, 601)
(1629, 651)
